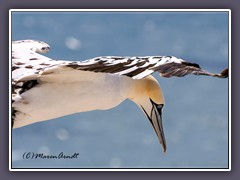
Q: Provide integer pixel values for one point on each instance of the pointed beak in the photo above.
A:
(155, 118)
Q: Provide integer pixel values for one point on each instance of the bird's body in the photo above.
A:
(43, 89)
(89, 92)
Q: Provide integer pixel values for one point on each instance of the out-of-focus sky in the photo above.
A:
(195, 116)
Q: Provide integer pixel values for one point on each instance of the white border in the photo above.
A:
(229, 89)
(10, 91)
(119, 10)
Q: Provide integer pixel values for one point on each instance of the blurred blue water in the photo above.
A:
(196, 112)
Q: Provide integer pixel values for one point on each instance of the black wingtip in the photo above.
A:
(224, 73)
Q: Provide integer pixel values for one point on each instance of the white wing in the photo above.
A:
(25, 58)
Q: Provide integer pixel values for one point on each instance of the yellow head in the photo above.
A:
(147, 94)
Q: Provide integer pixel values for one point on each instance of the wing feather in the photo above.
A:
(140, 67)
(29, 65)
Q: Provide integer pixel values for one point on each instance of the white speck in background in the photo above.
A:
(62, 134)
(44, 149)
(150, 26)
(148, 140)
(29, 22)
(115, 162)
(17, 155)
(73, 43)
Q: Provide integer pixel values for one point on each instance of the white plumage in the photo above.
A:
(43, 89)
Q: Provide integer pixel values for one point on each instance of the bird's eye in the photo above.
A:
(159, 106)
(45, 48)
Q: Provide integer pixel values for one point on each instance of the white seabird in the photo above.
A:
(43, 88)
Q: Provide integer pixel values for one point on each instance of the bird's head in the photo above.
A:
(149, 97)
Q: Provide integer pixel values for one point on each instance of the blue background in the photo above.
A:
(195, 116)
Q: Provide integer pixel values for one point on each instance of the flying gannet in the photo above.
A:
(43, 88)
